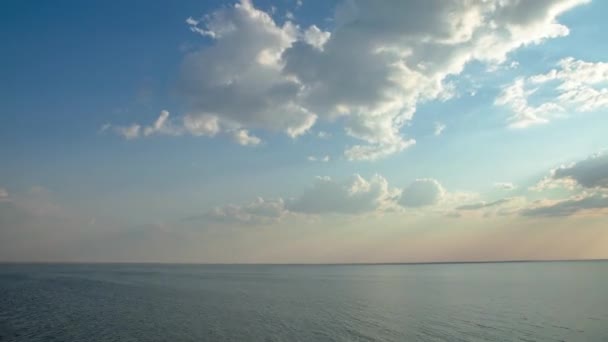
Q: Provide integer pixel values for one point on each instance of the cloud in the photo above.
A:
(515, 96)
(354, 196)
(505, 186)
(238, 78)
(162, 125)
(482, 205)
(422, 192)
(377, 151)
(323, 135)
(242, 137)
(128, 132)
(593, 203)
(587, 179)
(383, 58)
(326, 196)
(324, 159)
(3, 195)
(578, 86)
(260, 211)
(369, 74)
(198, 125)
(591, 173)
(315, 37)
(202, 125)
(439, 128)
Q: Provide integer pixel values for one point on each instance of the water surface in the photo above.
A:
(550, 301)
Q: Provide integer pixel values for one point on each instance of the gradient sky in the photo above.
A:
(303, 131)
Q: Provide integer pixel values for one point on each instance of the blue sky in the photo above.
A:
(249, 127)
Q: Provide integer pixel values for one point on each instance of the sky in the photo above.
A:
(299, 131)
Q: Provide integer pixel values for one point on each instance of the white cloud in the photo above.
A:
(260, 211)
(421, 193)
(158, 125)
(381, 60)
(315, 37)
(162, 125)
(378, 151)
(196, 125)
(505, 185)
(242, 137)
(323, 135)
(439, 128)
(324, 159)
(202, 125)
(354, 196)
(238, 78)
(128, 132)
(579, 86)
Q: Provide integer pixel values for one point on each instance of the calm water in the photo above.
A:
(561, 301)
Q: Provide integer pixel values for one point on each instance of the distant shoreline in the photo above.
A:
(295, 264)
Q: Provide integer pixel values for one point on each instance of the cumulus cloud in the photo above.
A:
(354, 196)
(379, 62)
(579, 86)
(377, 151)
(238, 78)
(242, 137)
(323, 135)
(162, 125)
(357, 195)
(202, 125)
(383, 58)
(591, 203)
(421, 193)
(316, 37)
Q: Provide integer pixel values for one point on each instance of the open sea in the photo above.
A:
(527, 301)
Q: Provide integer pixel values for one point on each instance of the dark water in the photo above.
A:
(560, 301)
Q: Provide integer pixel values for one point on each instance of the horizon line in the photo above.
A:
(293, 264)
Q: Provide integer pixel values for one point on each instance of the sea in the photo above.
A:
(510, 301)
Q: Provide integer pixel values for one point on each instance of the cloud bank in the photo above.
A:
(369, 74)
